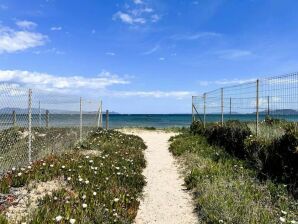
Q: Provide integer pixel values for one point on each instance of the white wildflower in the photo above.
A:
(284, 212)
(116, 199)
(282, 219)
(94, 193)
(84, 205)
(19, 174)
(58, 218)
(72, 221)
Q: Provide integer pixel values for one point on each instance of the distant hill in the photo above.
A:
(9, 110)
(280, 112)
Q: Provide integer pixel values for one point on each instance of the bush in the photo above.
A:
(231, 136)
(276, 158)
(197, 128)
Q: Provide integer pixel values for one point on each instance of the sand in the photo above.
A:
(165, 199)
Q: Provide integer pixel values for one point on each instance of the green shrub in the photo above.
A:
(231, 136)
(197, 128)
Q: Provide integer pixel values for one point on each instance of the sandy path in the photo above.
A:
(165, 200)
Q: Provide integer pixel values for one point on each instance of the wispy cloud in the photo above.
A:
(137, 14)
(155, 94)
(128, 18)
(25, 24)
(50, 82)
(56, 28)
(3, 7)
(138, 2)
(18, 40)
(162, 59)
(195, 36)
(226, 82)
(50, 51)
(152, 50)
(110, 53)
(233, 53)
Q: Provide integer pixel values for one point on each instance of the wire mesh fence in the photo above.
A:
(274, 97)
(36, 123)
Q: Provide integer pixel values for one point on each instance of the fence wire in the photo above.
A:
(275, 97)
(36, 123)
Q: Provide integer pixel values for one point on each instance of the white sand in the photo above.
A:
(165, 199)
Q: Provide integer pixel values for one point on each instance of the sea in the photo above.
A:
(127, 120)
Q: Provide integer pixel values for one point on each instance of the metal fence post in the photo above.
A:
(107, 119)
(222, 106)
(14, 117)
(192, 110)
(39, 114)
(257, 107)
(268, 102)
(230, 108)
(47, 118)
(81, 120)
(29, 125)
(204, 110)
(99, 119)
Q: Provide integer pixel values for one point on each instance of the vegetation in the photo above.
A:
(103, 181)
(226, 188)
(45, 141)
(273, 152)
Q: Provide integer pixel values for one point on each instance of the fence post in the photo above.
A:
(81, 120)
(230, 107)
(257, 107)
(192, 110)
(29, 124)
(107, 119)
(39, 115)
(14, 117)
(99, 120)
(100, 117)
(204, 110)
(268, 102)
(47, 118)
(222, 106)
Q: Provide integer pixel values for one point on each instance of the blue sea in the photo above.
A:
(128, 120)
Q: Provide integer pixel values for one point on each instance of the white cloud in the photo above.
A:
(152, 50)
(155, 94)
(196, 36)
(25, 24)
(226, 82)
(138, 1)
(56, 28)
(129, 19)
(162, 59)
(50, 82)
(13, 41)
(155, 18)
(233, 53)
(110, 53)
(137, 14)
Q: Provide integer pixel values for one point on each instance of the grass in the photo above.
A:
(101, 188)
(226, 189)
(45, 141)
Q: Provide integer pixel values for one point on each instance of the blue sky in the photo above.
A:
(145, 56)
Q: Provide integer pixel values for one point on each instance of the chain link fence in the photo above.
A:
(274, 97)
(36, 123)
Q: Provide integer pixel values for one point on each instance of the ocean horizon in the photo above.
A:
(128, 120)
